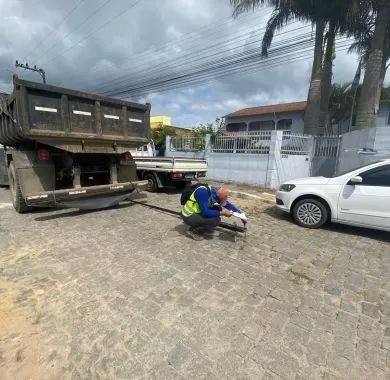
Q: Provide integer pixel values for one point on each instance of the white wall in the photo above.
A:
(382, 138)
(250, 169)
(353, 143)
(265, 170)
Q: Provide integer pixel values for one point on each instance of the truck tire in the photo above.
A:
(152, 183)
(17, 199)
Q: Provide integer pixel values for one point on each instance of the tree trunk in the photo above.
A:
(368, 103)
(312, 114)
(326, 79)
(380, 83)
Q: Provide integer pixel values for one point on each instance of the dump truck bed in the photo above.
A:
(70, 120)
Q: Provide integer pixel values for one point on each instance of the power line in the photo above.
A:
(241, 64)
(215, 48)
(73, 30)
(149, 55)
(208, 65)
(248, 69)
(121, 13)
(175, 63)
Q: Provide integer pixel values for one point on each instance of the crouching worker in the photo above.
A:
(203, 206)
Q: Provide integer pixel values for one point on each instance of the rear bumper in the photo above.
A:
(51, 198)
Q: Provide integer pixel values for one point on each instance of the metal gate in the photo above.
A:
(324, 155)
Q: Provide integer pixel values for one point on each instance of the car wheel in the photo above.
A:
(310, 213)
(152, 183)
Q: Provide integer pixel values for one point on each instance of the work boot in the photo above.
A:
(192, 233)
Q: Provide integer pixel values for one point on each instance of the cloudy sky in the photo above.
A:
(104, 45)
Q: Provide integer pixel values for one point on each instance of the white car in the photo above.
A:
(360, 197)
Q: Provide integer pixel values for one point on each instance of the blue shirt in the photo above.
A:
(204, 201)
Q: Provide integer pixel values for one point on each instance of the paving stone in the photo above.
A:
(370, 309)
(122, 293)
(285, 366)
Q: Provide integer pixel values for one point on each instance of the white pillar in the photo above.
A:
(168, 146)
(273, 181)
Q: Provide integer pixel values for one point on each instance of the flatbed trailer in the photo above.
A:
(170, 171)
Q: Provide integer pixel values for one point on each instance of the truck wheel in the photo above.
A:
(152, 183)
(17, 199)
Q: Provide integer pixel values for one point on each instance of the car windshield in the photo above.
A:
(351, 170)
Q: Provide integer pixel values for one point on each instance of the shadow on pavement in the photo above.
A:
(219, 233)
(74, 213)
(335, 227)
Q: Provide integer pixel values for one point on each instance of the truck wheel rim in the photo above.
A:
(309, 214)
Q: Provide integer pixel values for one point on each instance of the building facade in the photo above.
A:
(280, 117)
(166, 121)
(288, 117)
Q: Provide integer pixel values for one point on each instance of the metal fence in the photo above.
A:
(326, 146)
(242, 142)
(187, 144)
(294, 144)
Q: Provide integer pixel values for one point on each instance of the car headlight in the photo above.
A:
(286, 187)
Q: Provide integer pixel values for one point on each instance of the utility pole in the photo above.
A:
(34, 68)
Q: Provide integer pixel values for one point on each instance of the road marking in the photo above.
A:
(135, 120)
(82, 113)
(111, 117)
(5, 205)
(45, 109)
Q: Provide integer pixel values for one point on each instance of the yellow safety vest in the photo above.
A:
(191, 206)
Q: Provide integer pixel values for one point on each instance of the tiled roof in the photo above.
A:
(275, 108)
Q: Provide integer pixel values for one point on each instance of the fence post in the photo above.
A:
(312, 151)
(272, 179)
(168, 146)
(207, 144)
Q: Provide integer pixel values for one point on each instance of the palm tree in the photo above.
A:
(330, 15)
(376, 56)
(284, 12)
(362, 46)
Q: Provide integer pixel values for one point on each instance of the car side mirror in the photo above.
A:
(355, 180)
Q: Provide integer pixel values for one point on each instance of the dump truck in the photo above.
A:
(69, 148)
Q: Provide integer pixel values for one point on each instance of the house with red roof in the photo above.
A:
(281, 117)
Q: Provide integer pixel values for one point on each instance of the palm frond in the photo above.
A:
(242, 6)
(279, 18)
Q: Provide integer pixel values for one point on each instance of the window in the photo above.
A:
(377, 177)
(266, 125)
(236, 127)
(284, 124)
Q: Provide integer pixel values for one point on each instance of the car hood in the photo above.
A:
(309, 181)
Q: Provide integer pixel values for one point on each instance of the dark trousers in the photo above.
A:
(199, 222)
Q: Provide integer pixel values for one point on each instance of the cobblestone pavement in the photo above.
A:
(124, 294)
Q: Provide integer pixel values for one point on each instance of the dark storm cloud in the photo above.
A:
(34, 30)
